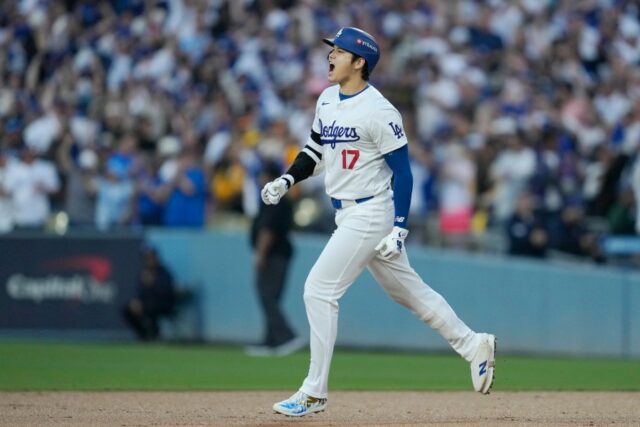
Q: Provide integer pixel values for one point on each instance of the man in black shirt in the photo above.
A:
(155, 297)
(272, 252)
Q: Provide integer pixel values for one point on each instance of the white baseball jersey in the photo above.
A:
(354, 135)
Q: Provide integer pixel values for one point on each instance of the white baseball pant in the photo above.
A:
(349, 250)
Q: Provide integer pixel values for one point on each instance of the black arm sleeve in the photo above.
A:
(306, 160)
(302, 167)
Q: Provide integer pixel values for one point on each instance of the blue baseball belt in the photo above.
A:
(339, 204)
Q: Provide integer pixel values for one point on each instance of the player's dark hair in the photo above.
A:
(365, 70)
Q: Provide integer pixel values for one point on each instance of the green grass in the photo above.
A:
(54, 366)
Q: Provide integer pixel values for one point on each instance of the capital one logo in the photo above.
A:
(84, 279)
(96, 266)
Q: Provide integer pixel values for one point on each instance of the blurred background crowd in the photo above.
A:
(523, 116)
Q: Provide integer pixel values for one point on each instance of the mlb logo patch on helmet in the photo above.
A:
(359, 43)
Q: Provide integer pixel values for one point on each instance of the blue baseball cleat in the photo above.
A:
(300, 404)
(483, 364)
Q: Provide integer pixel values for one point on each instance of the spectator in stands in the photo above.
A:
(114, 197)
(124, 159)
(40, 134)
(622, 214)
(228, 179)
(154, 298)
(613, 166)
(184, 195)
(457, 195)
(149, 209)
(525, 229)
(511, 170)
(81, 182)
(6, 209)
(30, 181)
(570, 235)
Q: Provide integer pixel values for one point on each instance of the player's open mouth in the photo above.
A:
(331, 67)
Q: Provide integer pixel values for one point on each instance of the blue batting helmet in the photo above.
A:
(359, 43)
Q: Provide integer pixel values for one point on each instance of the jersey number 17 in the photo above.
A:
(349, 158)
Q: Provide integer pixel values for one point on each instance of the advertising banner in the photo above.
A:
(66, 283)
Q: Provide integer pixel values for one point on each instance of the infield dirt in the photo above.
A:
(345, 409)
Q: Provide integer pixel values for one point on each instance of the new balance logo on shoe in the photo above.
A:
(483, 368)
(483, 363)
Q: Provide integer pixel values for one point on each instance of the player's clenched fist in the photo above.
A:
(274, 190)
(392, 245)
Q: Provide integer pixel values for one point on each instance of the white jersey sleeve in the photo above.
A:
(387, 131)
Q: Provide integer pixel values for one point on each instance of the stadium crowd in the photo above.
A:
(523, 116)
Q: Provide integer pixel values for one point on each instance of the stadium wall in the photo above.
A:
(535, 307)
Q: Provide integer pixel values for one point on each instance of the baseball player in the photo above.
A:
(358, 135)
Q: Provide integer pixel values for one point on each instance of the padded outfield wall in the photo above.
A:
(533, 306)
